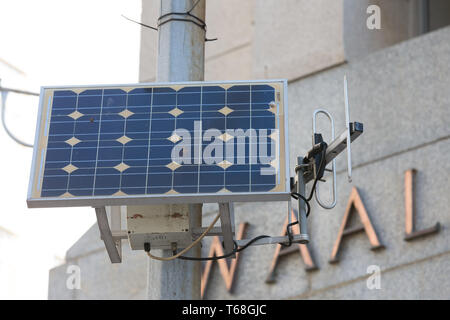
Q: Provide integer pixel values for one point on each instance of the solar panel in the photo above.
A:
(161, 143)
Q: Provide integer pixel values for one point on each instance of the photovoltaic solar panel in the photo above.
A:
(161, 143)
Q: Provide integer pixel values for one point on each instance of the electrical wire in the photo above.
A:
(235, 250)
(180, 254)
(296, 196)
(140, 23)
(8, 132)
(189, 247)
(193, 7)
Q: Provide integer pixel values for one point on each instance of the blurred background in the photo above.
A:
(42, 43)
(398, 71)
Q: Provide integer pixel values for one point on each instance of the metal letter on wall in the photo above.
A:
(279, 252)
(216, 249)
(355, 202)
(410, 233)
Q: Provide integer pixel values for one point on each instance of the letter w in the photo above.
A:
(227, 273)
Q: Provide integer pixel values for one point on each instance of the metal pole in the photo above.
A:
(302, 220)
(180, 58)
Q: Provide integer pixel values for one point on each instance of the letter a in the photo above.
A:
(356, 202)
(279, 252)
(374, 21)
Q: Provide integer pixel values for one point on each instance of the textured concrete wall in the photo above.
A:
(401, 95)
(400, 20)
(290, 43)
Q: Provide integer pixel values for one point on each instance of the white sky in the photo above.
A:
(53, 42)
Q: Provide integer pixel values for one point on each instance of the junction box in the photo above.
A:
(163, 226)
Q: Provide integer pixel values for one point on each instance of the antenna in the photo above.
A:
(313, 165)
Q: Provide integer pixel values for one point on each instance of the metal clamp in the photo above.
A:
(333, 163)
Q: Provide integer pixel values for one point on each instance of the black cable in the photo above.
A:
(140, 23)
(235, 250)
(201, 24)
(193, 7)
(322, 163)
(297, 195)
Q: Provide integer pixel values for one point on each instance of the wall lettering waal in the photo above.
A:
(354, 202)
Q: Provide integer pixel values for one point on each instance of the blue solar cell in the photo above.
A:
(211, 179)
(159, 180)
(58, 128)
(104, 142)
(134, 180)
(107, 181)
(64, 103)
(189, 96)
(59, 154)
(238, 179)
(185, 179)
(81, 182)
(54, 185)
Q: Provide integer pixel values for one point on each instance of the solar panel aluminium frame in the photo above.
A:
(146, 199)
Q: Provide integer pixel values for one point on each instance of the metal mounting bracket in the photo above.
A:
(112, 237)
(296, 238)
(226, 210)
